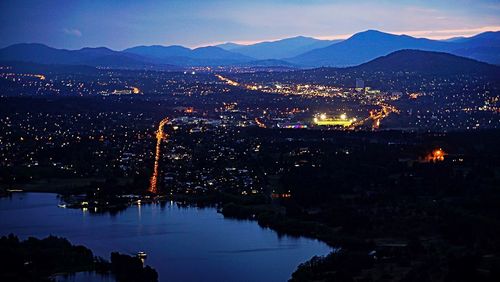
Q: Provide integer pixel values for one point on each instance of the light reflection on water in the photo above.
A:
(183, 244)
(84, 277)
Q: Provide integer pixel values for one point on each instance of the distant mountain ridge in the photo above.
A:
(209, 55)
(279, 49)
(136, 57)
(229, 46)
(300, 51)
(159, 51)
(97, 57)
(408, 64)
(39, 53)
(368, 45)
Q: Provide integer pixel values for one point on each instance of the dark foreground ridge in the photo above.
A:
(427, 62)
(43, 259)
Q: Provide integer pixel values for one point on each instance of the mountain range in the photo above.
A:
(98, 57)
(410, 64)
(179, 55)
(368, 45)
(279, 49)
(291, 52)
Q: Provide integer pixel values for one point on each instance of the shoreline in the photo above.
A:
(210, 201)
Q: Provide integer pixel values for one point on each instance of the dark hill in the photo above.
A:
(427, 62)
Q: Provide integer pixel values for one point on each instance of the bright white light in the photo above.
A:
(343, 116)
(322, 116)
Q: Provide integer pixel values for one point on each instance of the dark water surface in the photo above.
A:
(183, 244)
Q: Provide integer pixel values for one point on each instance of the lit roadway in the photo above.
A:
(259, 123)
(160, 135)
(378, 115)
(227, 80)
(375, 115)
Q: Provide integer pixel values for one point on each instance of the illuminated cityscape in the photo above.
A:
(211, 141)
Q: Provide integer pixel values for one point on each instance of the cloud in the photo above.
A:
(73, 32)
(431, 33)
(447, 33)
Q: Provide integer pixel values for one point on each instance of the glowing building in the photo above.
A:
(342, 120)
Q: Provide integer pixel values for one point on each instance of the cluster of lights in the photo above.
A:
(343, 120)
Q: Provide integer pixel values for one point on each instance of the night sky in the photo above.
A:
(119, 24)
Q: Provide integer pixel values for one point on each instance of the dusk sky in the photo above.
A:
(119, 24)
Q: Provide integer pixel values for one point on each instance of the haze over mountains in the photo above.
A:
(280, 49)
(291, 52)
(179, 55)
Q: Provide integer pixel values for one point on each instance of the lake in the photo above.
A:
(182, 243)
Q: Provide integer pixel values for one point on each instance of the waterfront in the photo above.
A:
(183, 244)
